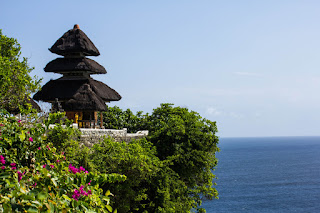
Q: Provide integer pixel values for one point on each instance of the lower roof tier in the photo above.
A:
(84, 100)
(67, 89)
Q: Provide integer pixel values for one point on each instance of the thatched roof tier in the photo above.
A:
(74, 41)
(84, 100)
(65, 89)
(16, 110)
(64, 65)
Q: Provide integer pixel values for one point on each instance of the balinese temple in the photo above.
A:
(79, 95)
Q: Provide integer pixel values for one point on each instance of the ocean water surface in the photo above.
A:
(272, 174)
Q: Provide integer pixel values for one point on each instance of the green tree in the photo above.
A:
(189, 143)
(16, 84)
(151, 186)
(116, 118)
(186, 145)
(135, 160)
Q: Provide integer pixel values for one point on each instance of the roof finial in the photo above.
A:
(76, 26)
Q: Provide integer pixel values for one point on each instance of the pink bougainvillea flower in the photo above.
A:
(1, 125)
(31, 139)
(82, 169)
(19, 176)
(19, 121)
(52, 166)
(89, 182)
(13, 168)
(58, 161)
(44, 166)
(76, 194)
(2, 160)
(34, 185)
(73, 169)
(13, 164)
(3, 167)
(39, 148)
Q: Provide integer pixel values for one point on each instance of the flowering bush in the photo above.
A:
(35, 177)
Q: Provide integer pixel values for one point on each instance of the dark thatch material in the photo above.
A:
(16, 110)
(64, 90)
(84, 100)
(63, 65)
(74, 41)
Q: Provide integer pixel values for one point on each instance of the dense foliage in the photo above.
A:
(16, 84)
(137, 161)
(36, 176)
(151, 186)
(45, 169)
(185, 147)
(116, 118)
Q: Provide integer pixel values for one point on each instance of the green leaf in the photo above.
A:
(51, 207)
(108, 193)
(7, 207)
(42, 195)
(54, 181)
(37, 203)
(32, 209)
(4, 175)
(22, 136)
(109, 208)
(66, 197)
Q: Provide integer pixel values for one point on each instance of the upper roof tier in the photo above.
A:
(73, 42)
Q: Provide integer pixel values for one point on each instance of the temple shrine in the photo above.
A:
(76, 93)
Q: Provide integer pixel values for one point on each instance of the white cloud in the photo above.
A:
(216, 112)
(247, 74)
(213, 111)
(235, 115)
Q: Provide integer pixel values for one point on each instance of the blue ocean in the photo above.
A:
(272, 174)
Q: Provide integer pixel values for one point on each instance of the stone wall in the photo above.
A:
(92, 136)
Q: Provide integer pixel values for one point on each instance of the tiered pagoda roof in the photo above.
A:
(76, 90)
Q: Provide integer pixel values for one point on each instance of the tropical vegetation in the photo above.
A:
(47, 169)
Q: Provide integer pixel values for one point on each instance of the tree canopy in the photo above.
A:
(16, 84)
(185, 145)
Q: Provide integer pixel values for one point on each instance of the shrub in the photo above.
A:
(35, 177)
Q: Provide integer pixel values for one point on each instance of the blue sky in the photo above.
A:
(252, 66)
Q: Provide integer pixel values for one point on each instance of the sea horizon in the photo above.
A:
(283, 136)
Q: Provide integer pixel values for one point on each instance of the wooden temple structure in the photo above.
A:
(79, 95)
